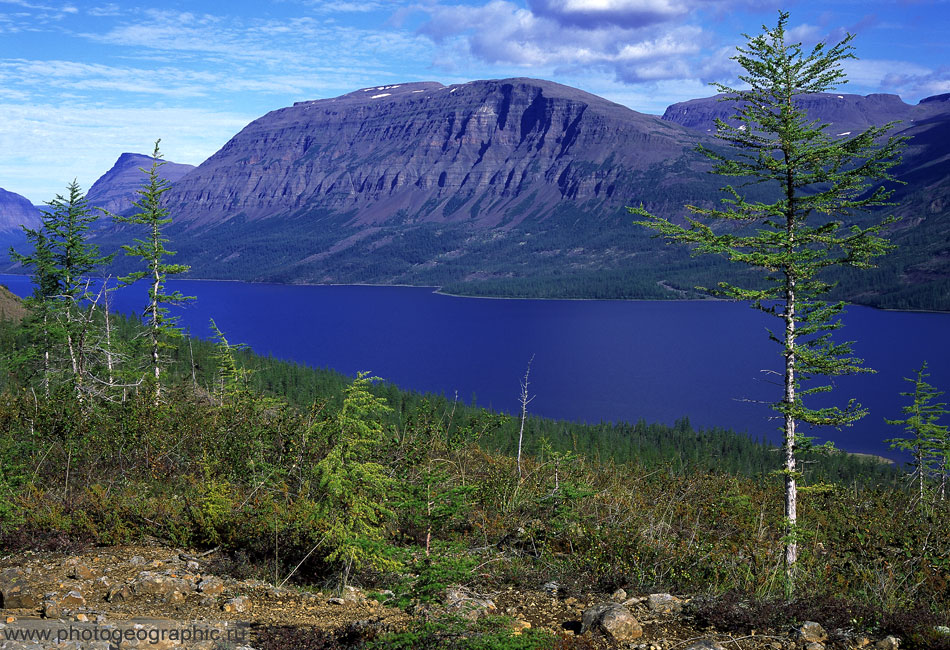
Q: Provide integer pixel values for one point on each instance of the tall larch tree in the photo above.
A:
(818, 180)
(151, 250)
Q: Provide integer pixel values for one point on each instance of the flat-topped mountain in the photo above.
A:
(846, 114)
(426, 152)
(511, 187)
(116, 189)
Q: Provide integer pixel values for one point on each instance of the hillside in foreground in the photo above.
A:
(289, 472)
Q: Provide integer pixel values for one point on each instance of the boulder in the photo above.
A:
(463, 602)
(614, 621)
(705, 644)
(811, 632)
(664, 604)
(888, 643)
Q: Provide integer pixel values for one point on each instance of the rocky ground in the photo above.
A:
(161, 598)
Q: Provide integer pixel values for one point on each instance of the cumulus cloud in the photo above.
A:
(635, 40)
(604, 13)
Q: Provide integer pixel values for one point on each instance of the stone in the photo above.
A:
(352, 594)
(888, 643)
(73, 598)
(211, 586)
(156, 584)
(174, 597)
(519, 626)
(811, 632)
(614, 621)
(551, 588)
(462, 602)
(118, 594)
(81, 572)
(664, 604)
(705, 644)
(619, 596)
(15, 591)
(814, 645)
(237, 605)
(336, 601)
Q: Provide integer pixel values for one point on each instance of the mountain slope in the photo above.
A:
(16, 211)
(916, 274)
(116, 189)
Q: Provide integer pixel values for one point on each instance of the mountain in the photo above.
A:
(116, 189)
(515, 180)
(16, 211)
(917, 273)
(512, 187)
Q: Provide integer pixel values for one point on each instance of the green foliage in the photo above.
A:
(62, 305)
(353, 487)
(929, 441)
(490, 633)
(154, 216)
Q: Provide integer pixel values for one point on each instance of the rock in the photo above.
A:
(174, 597)
(137, 560)
(462, 602)
(814, 645)
(551, 588)
(705, 644)
(664, 604)
(156, 584)
(15, 591)
(519, 626)
(118, 594)
(211, 586)
(888, 643)
(811, 632)
(336, 601)
(861, 641)
(193, 566)
(353, 594)
(618, 596)
(81, 572)
(73, 598)
(237, 605)
(613, 620)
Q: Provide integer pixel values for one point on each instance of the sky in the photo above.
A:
(82, 82)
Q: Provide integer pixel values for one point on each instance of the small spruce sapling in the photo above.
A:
(927, 440)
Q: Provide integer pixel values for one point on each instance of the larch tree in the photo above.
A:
(928, 439)
(154, 216)
(818, 181)
(62, 260)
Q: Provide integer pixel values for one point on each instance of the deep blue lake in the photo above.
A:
(593, 360)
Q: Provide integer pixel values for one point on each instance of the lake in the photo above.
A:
(592, 360)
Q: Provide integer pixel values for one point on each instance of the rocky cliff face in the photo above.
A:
(116, 189)
(16, 211)
(423, 151)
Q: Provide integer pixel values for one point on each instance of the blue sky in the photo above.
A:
(82, 82)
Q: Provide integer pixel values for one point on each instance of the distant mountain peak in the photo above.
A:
(115, 190)
(16, 211)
